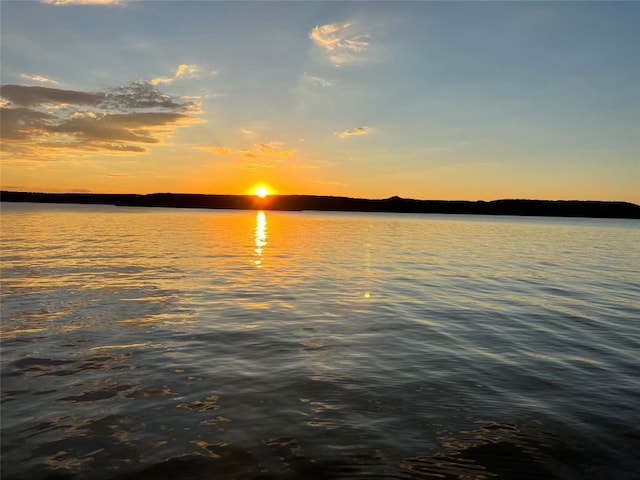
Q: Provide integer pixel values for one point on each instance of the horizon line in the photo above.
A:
(392, 197)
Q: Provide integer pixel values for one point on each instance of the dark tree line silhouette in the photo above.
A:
(552, 208)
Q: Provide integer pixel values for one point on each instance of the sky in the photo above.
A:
(427, 100)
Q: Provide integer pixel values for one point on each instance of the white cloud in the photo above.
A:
(159, 80)
(340, 42)
(353, 132)
(183, 71)
(39, 78)
(188, 71)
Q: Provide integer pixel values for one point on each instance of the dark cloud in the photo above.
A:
(20, 123)
(27, 96)
(143, 96)
(43, 121)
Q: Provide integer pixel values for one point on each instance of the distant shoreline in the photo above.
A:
(546, 208)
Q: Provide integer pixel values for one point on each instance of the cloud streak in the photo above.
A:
(340, 43)
(271, 149)
(270, 153)
(353, 132)
(43, 122)
(183, 71)
(39, 78)
(64, 3)
(316, 81)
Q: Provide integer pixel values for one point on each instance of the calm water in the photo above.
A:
(159, 343)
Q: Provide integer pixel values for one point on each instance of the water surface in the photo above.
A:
(160, 343)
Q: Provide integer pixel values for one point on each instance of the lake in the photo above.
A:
(168, 343)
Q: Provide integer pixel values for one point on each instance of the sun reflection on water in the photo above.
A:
(261, 237)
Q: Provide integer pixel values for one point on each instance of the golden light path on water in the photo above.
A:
(261, 237)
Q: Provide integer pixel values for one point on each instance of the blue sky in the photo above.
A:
(458, 100)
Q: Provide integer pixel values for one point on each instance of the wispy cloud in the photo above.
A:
(83, 2)
(340, 42)
(273, 149)
(39, 78)
(159, 80)
(254, 129)
(43, 122)
(353, 132)
(219, 150)
(316, 81)
(269, 153)
(183, 71)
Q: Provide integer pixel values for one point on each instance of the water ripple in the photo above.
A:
(150, 344)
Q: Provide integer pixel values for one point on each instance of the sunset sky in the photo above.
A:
(429, 100)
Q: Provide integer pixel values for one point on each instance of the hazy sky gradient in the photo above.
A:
(448, 100)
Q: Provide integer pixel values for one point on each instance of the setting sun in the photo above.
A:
(261, 190)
